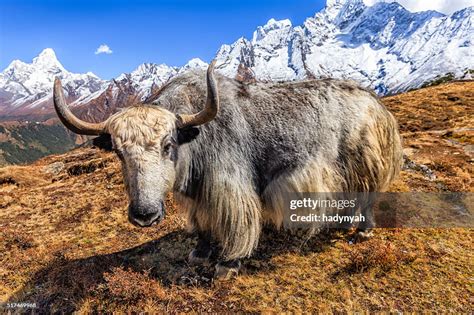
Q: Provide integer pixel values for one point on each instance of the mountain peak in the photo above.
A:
(382, 46)
(195, 63)
(272, 23)
(271, 26)
(48, 52)
(30, 84)
(379, 44)
(15, 64)
(47, 59)
(340, 3)
(339, 11)
(332, 3)
(92, 74)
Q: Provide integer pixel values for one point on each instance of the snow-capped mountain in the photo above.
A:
(149, 76)
(131, 88)
(27, 87)
(384, 47)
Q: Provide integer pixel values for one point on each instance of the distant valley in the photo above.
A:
(26, 142)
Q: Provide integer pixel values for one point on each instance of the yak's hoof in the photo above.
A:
(362, 236)
(197, 257)
(227, 270)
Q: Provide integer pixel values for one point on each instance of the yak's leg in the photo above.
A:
(203, 250)
(235, 216)
(226, 270)
(365, 228)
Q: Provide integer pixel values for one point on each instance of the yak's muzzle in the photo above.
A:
(144, 216)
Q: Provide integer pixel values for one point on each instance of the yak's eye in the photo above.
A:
(167, 148)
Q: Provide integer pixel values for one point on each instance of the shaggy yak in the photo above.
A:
(229, 151)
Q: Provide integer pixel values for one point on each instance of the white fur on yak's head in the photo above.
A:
(146, 139)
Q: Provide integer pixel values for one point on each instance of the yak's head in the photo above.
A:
(146, 139)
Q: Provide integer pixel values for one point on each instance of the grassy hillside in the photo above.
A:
(27, 142)
(66, 244)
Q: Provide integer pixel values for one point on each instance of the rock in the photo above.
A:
(54, 168)
(411, 165)
(469, 149)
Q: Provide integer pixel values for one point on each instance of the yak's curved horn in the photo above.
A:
(67, 117)
(209, 112)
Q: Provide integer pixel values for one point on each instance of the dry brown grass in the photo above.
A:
(66, 244)
(130, 286)
(442, 107)
(437, 128)
(19, 175)
(375, 253)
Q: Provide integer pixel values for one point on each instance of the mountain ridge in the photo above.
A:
(383, 47)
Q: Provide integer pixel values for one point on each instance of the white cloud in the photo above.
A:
(103, 49)
(444, 6)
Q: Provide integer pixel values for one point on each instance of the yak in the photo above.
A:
(229, 151)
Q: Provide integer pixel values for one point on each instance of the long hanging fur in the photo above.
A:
(271, 139)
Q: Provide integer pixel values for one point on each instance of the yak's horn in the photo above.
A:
(212, 104)
(67, 117)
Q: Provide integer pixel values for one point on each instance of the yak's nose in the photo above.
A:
(142, 218)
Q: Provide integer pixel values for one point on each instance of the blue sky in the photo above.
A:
(160, 31)
(170, 32)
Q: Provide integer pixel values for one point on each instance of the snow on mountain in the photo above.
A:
(26, 89)
(194, 63)
(146, 77)
(131, 88)
(231, 56)
(149, 76)
(384, 47)
(30, 85)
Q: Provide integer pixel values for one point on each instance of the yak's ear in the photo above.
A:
(187, 134)
(104, 142)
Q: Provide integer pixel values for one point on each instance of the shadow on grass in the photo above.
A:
(65, 284)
